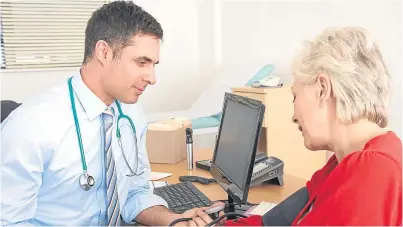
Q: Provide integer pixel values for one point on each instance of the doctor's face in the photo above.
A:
(132, 70)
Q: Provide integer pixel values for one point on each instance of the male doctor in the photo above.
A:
(62, 160)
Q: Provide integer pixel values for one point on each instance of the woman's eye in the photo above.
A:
(293, 99)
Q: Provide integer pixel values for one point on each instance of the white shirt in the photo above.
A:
(41, 162)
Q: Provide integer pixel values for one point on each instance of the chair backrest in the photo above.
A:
(7, 106)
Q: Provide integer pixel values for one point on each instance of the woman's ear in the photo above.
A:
(324, 87)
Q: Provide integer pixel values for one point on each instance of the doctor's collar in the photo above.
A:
(92, 105)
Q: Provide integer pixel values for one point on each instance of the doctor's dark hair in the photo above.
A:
(116, 23)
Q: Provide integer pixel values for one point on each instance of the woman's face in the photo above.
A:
(311, 105)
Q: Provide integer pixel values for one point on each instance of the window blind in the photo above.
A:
(3, 62)
(44, 33)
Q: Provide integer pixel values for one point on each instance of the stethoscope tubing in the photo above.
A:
(80, 141)
(86, 181)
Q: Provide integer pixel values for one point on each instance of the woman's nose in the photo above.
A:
(294, 120)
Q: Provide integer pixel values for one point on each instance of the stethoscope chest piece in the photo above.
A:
(86, 181)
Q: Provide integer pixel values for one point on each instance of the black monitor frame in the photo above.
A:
(223, 180)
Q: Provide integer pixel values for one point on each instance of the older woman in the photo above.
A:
(341, 91)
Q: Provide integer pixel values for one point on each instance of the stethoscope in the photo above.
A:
(87, 181)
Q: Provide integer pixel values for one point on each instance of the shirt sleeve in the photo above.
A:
(140, 195)
(22, 164)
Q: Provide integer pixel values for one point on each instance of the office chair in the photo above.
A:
(7, 106)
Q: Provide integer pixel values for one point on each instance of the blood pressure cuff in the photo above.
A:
(281, 215)
(285, 212)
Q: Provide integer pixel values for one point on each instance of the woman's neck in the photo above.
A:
(347, 139)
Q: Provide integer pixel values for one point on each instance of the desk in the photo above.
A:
(268, 193)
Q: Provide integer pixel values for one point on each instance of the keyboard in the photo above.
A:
(182, 197)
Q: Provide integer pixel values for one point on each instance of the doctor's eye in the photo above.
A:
(293, 100)
(140, 62)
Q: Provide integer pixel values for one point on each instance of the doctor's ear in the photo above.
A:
(103, 52)
(324, 86)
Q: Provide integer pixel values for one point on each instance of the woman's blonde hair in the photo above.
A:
(360, 80)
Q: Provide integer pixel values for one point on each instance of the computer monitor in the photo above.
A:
(236, 145)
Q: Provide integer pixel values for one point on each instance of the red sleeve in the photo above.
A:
(254, 220)
(365, 189)
(315, 182)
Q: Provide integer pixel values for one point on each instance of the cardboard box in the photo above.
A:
(166, 140)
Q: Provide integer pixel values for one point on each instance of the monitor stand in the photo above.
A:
(233, 207)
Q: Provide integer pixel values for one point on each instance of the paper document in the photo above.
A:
(263, 208)
(157, 184)
(159, 175)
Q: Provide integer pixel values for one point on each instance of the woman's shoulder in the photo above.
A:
(379, 163)
(380, 155)
(371, 176)
(382, 150)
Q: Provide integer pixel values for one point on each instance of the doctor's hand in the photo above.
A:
(193, 212)
(196, 214)
(202, 219)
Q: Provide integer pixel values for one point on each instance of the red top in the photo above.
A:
(364, 189)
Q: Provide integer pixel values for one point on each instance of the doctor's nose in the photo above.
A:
(150, 77)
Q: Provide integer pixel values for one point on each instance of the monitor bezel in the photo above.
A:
(215, 171)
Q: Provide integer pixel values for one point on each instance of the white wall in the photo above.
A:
(258, 32)
(228, 40)
(20, 85)
(185, 59)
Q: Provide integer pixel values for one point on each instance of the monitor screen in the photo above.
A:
(236, 145)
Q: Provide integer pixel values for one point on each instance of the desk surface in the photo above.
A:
(267, 192)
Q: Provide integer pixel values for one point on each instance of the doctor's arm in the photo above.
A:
(22, 163)
(141, 204)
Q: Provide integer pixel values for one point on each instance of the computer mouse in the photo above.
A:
(213, 212)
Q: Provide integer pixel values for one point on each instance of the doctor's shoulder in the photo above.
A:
(47, 103)
(44, 111)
